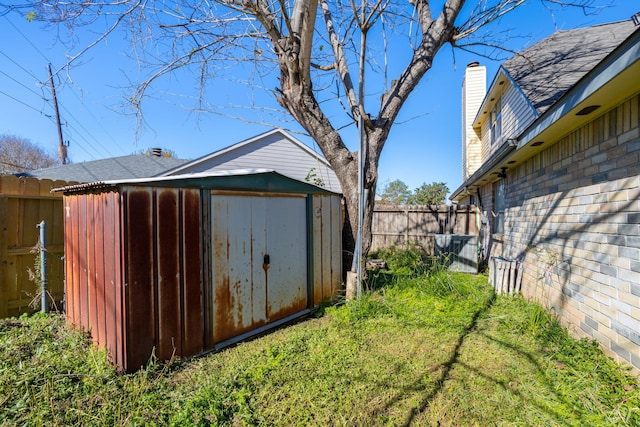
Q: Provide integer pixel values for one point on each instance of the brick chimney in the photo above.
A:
(474, 88)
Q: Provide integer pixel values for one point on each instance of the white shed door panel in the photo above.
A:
(259, 261)
(287, 250)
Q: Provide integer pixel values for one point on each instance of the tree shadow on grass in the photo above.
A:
(518, 352)
(505, 385)
(449, 364)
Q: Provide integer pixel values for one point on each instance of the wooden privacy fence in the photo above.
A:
(25, 202)
(404, 226)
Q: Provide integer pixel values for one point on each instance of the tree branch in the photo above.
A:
(341, 62)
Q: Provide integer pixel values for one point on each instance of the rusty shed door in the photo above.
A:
(259, 261)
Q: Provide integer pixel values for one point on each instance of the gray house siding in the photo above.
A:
(274, 150)
(516, 116)
(516, 112)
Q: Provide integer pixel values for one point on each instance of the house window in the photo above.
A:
(498, 207)
(496, 122)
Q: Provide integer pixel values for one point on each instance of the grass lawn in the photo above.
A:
(437, 349)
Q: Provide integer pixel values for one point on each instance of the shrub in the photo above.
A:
(410, 261)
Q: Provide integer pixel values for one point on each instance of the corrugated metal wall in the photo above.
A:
(181, 270)
(327, 247)
(93, 256)
(259, 260)
(272, 256)
(134, 275)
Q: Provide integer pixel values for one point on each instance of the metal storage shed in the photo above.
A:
(186, 264)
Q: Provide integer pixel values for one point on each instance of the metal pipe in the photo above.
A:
(43, 267)
(361, 195)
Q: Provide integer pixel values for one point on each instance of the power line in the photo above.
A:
(25, 104)
(102, 151)
(19, 66)
(78, 135)
(25, 37)
(99, 122)
(13, 165)
(21, 84)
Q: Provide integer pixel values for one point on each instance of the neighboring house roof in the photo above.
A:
(125, 167)
(276, 150)
(546, 70)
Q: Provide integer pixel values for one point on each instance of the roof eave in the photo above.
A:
(625, 59)
(204, 180)
(495, 91)
(489, 167)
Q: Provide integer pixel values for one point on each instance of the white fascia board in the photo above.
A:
(493, 89)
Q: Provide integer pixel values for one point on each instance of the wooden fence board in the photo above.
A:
(4, 295)
(24, 203)
(405, 226)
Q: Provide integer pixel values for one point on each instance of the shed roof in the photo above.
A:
(124, 167)
(546, 70)
(262, 180)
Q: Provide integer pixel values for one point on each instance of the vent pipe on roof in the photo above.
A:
(156, 152)
(636, 19)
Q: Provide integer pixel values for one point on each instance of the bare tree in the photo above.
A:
(21, 155)
(331, 58)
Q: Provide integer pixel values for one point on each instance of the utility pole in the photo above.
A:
(62, 149)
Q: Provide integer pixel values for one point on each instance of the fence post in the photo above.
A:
(4, 275)
(406, 230)
(43, 267)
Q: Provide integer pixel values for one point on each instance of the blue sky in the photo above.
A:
(424, 145)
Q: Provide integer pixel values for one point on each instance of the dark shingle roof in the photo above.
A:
(546, 70)
(125, 167)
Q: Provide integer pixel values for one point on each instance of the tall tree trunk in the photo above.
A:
(349, 183)
(298, 99)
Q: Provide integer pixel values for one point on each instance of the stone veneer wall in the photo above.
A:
(573, 213)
